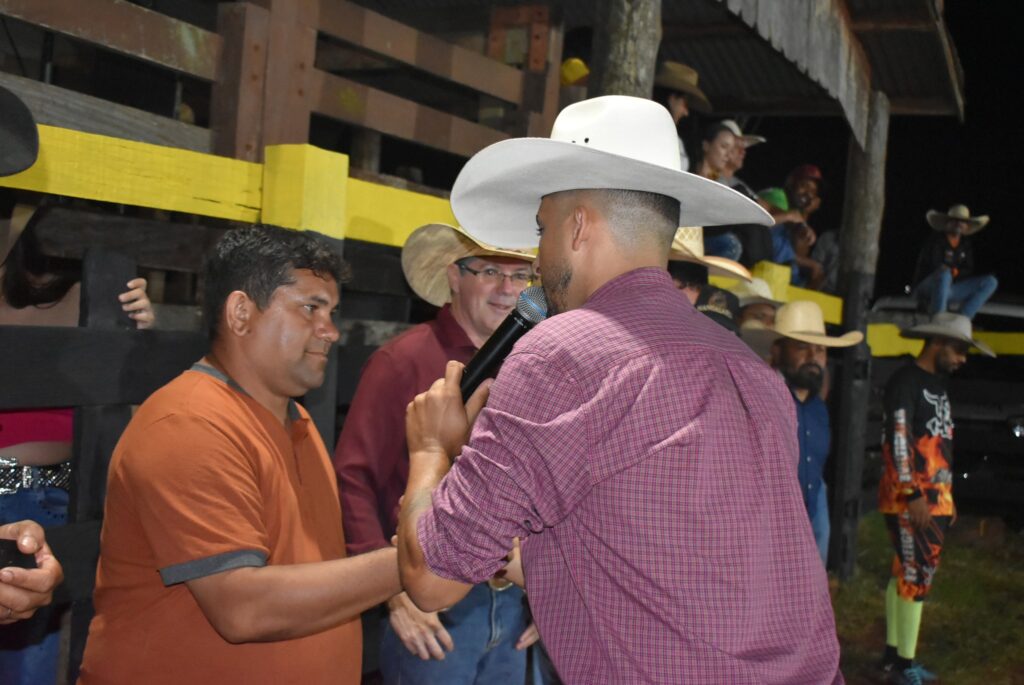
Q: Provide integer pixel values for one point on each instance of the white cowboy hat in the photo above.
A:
(611, 142)
(937, 219)
(949, 325)
(747, 139)
(688, 246)
(757, 291)
(800, 320)
(431, 248)
(682, 78)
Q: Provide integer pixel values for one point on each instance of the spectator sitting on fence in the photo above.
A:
(756, 242)
(792, 236)
(675, 86)
(476, 286)
(945, 267)
(690, 267)
(717, 147)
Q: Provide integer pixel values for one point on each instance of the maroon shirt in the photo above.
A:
(371, 458)
(648, 459)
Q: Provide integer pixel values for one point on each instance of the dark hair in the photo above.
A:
(712, 130)
(687, 273)
(258, 260)
(32, 278)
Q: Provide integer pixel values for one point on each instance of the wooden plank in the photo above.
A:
(115, 170)
(304, 188)
(236, 110)
(291, 54)
(94, 366)
(362, 105)
(127, 28)
(383, 36)
(58, 106)
(380, 214)
(105, 274)
(375, 268)
(65, 232)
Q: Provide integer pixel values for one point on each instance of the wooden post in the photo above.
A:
(236, 117)
(862, 224)
(97, 430)
(627, 34)
(291, 54)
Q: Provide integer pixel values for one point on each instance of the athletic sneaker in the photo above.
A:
(915, 675)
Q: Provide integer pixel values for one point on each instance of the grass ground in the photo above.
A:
(972, 630)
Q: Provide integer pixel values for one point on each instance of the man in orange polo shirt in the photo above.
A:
(222, 556)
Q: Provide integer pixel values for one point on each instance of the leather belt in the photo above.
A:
(15, 476)
(499, 584)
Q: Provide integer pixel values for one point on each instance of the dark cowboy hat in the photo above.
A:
(683, 79)
(19, 137)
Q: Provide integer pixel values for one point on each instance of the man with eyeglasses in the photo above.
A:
(482, 638)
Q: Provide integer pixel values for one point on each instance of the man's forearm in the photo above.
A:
(429, 591)
(280, 602)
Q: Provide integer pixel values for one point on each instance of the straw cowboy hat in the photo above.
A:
(756, 291)
(747, 139)
(800, 320)
(949, 325)
(679, 77)
(937, 219)
(688, 246)
(431, 248)
(19, 137)
(611, 142)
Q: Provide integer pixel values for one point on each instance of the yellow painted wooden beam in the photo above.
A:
(381, 214)
(305, 187)
(885, 341)
(109, 169)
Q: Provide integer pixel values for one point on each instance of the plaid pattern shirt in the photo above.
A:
(648, 459)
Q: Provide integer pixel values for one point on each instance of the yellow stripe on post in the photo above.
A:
(304, 187)
(885, 341)
(778, 278)
(382, 214)
(107, 169)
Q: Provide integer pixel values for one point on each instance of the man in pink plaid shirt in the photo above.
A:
(646, 458)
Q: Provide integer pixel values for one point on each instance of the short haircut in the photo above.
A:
(637, 216)
(258, 260)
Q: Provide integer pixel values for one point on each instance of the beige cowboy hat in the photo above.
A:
(614, 142)
(747, 139)
(431, 248)
(688, 246)
(756, 291)
(949, 325)
(676, 76)
(800, 320)
(937, 219)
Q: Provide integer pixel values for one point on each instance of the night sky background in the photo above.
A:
(933, 162)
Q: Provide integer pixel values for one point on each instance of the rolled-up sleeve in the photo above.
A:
(524, 469)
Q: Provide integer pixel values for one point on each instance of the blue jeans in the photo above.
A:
(484, 626)
(939, 290)
(821, 524)
(29, 649)
(725, 245)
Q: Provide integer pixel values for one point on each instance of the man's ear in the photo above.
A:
(453, 277)
(582, 223)
(239, 310)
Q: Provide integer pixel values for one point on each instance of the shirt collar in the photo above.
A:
(293, 407)
(646, 277)
(450, 333)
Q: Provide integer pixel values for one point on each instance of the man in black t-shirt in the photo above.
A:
(916, 490)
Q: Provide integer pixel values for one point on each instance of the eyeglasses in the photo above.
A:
(496, 277)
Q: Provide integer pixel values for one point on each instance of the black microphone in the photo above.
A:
(531, 309)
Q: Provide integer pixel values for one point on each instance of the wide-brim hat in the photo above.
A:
(803, 320)
(19, 136)
(688, 246)
(615, 142)
(430, 249)
(683, 78)
(937, 219)
(747, 139)
(756, 291)
(949, 325)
